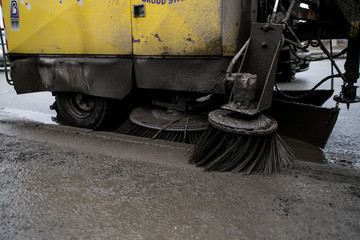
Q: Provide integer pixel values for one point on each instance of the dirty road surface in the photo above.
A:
(60, 182)
(66, 183)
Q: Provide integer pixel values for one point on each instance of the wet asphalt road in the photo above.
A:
(66, 183)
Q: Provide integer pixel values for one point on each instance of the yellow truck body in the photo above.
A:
(68, 27)
(110, 27)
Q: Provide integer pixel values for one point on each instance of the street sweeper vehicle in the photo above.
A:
(201, 72)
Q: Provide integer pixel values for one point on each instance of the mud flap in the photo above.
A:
(26, 77)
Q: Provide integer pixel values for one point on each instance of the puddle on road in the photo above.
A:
(32, 116)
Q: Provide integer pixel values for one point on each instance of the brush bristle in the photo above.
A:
(132, 129)
(226, 152)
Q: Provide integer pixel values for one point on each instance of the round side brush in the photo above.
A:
(241, 139)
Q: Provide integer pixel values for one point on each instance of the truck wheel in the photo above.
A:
(80, 110)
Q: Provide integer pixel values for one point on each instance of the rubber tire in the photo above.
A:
(99, 114)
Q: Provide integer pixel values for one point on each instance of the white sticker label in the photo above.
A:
(14, 15)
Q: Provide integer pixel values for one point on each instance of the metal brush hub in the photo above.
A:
(231, 122)
(168, 120)
(241, 114)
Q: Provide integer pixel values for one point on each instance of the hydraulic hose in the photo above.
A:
(235, 59)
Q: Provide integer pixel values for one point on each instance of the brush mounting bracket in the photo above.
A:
(242, 99)
(261, 60)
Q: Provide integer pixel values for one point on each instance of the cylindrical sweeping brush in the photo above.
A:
(241, 139)
(224, 151)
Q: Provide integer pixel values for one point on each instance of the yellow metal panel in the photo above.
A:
(178, 27)
(70, 27)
